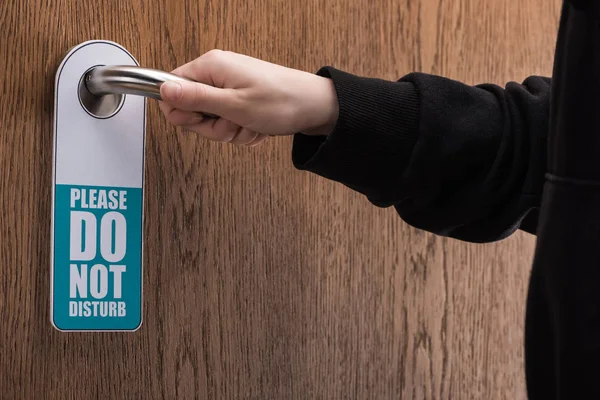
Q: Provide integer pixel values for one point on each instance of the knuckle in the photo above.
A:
(237, 101)
(230, 132)
(214, 54)
(172, 118)
(196, 95)
(169, 115)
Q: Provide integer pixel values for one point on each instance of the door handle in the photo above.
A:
(125, 79)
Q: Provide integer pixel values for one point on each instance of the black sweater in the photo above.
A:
(477, 163)
(562, 330)
(461, 161)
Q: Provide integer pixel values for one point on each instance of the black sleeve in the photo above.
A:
(462, 161)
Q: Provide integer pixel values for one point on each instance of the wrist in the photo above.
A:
(322, 107)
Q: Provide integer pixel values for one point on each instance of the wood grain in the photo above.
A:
(262, 281)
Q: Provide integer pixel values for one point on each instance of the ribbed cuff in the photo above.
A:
(373, 138)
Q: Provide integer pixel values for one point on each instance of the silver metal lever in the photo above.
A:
(122, 79)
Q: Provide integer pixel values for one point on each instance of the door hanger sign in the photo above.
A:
(97, 213)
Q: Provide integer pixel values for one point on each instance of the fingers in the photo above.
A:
(220, 130)
(183, 102)
(208, 68)
(258, 140)
(243, 137)
(180, 117)
(193, 96)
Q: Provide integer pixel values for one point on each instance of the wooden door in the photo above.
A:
(261, 281)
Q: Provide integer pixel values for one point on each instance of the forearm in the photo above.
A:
(457, 160)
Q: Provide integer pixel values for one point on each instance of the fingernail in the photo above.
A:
(171, 90)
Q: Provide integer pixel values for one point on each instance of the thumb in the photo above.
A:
(194, 96)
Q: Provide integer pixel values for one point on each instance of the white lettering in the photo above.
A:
(97, 309)
(75, 195)
(73, 312)
(103, 308)
(102, 199)
(98, 281)
(78, 281)
(83, 222)
(117, 270)
(99, 199)
(106, 236)
(84, 203)
(122, 200)
(121, 309)
(113, 201)
(93, 198)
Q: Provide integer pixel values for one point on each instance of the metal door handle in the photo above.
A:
(124, 79)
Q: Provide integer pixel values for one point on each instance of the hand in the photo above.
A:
(254, 99)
